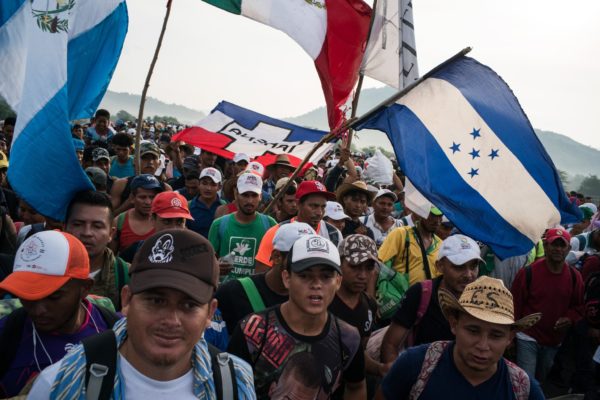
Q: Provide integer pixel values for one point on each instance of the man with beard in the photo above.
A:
(419, 318)
(51, 278)
(413, 250)
(236, 236)
(157, 351)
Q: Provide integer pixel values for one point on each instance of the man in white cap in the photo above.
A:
(335, 215)
(303, 324)
(471, 366)
(419, 318)
(240, 297)
(205, 204)
(236, 236)
(381, 221)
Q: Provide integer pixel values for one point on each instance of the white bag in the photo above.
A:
(379, 169)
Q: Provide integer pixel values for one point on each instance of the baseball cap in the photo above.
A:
(557, 233)
(131, 131)
(459, 249)
(99, 153)
(311, 187)
(145, 181)
(287, 234)
(241, 157)
(436, 211)
(44, 263)
(282, 182)
(171, 205)
(3, 160)
(149, 148)
(190, 163)
(256, 168)
(177, 259)
(386, 192)
(357, 249)
(311, 250)
(97, 176)
(335, 211)
(211, 173)
(249, 182)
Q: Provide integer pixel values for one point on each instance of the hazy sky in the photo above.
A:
(548, 51)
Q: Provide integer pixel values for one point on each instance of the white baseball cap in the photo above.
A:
(241, 157)
(311, 250)
(287, 234)
(459, 249)
(386, 192)
(256, 168)
(249, 182)
(212, 173)
(335, 211)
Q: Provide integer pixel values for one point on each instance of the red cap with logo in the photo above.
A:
(558, 233)
(313, 187)
(171, 205)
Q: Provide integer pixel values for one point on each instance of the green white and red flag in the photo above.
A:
(332, 32)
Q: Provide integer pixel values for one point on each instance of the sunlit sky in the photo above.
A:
(548, 51)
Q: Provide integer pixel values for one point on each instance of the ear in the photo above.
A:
(439, 266)
(285, 277)
(86, 287)
(212, 307)
(126, 297)
(338, 282)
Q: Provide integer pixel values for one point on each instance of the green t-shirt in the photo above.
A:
(241, 239)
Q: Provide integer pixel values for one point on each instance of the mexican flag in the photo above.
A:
(332, 32)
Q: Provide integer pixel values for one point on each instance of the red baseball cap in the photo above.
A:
(171, 205)
(311, 187)
(44, 263)
(558, 233)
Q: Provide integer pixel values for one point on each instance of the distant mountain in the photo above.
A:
(115, 102)
(567, 154)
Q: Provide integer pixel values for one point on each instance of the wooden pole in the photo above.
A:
(138, 134)
(356, 121)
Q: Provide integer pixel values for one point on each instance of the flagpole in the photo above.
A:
(361, 77)
(138, 133)
(351, 123)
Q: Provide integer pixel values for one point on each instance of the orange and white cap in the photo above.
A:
(44, 263)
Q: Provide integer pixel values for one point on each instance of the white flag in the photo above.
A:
(391, 55)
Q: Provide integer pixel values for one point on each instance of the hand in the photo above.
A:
(562, 324)
(224, 268)
(344, 155)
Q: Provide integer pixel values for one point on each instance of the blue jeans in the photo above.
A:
(535, 358)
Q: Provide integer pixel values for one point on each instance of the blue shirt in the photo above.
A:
(446, 381)
(95, 137)
(119, 170)
(203, 215)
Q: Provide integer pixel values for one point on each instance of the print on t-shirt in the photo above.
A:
(244, 249)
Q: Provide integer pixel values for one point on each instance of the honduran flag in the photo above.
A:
(332, 32)
(58, 57)
(462, 138)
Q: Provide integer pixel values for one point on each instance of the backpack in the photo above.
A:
(120, 222)
(518, 378)
(101, 364)
(13, 330)
(252, 293)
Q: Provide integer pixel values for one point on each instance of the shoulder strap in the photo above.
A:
(223, 374)
(223, 225)
(252, 293)
(407, 250)
(100, 364)
(121, 220)
(432, 357)
(426, 289)
(265, 221)
(121, 276)
(11, 335)
(528, 276)
(423, 253)
(582, 239)
(332, 232)
(519, 381)
(107, 315)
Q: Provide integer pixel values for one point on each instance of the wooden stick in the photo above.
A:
(138, 133)
(356, 121)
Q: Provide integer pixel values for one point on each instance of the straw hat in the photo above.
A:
(489, 300)
(357, 186)
(282, 160)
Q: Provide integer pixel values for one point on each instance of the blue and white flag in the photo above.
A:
(58, 57)
(466, 144)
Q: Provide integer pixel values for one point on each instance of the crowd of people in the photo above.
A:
(204, 277)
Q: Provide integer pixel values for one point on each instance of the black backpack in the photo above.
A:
(101, 364)
(13, 330)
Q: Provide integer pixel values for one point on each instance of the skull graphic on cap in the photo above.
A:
(162, 251)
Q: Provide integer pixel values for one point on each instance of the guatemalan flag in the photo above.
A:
(465, 143)
(58, 57)
(332, 32)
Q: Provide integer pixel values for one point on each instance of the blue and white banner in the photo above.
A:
(58, 59)
(466, 144)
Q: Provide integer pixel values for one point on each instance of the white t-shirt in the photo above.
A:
(137, 385)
